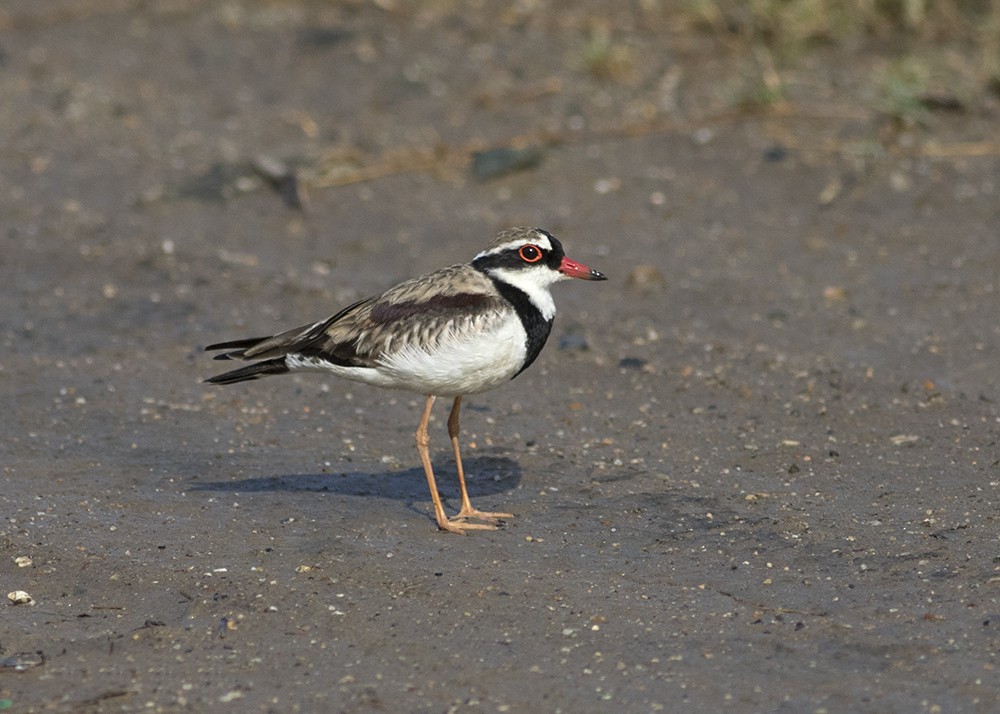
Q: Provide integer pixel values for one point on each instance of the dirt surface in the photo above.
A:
(757, 470)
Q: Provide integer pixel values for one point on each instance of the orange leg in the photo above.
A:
(425, 458)
(467, 510)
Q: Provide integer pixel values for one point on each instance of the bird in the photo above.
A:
(460, 330)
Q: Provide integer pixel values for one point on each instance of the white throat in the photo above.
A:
(534, 283)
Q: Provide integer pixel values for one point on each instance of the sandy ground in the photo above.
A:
(757, 470)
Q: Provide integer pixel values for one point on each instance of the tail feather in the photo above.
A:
(251, 371)
(235, 348)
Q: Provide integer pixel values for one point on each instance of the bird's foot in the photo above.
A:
(470, 512)
(456, 525)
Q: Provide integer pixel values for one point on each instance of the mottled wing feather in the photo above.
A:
(418, 312)
(297, 339)
(415, 313)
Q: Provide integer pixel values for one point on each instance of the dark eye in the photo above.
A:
(530, 253)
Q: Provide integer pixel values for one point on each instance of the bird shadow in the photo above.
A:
(484, 475)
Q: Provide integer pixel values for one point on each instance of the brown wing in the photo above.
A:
(294, 340)
(417, 311)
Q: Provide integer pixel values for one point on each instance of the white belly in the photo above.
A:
(461, 363)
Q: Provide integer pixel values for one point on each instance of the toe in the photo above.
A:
(455, 525)
(483, 515)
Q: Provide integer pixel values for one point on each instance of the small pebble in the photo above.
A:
(631, 363)
(834, 293)
(22, 661)
(20, 597)
(703, 135)
(645, 277)
(775, 153)
(283, 179)
(573, 342)
(607, 185)
(574, 338)
(830, 192)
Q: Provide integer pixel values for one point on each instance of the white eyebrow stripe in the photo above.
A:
(540, 238)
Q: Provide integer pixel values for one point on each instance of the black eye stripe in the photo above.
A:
(510, 256)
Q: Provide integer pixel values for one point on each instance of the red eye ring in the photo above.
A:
(530, 253)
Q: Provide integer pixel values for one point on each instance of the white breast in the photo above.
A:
(464, 362)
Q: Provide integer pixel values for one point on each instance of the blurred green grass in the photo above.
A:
(941, 53)
(794, 24)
